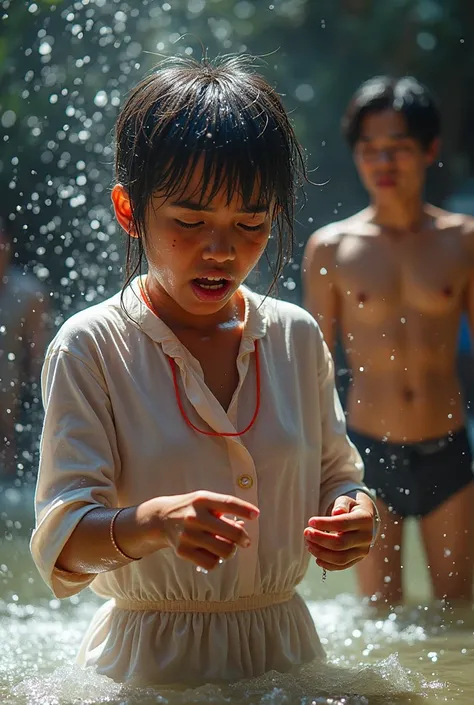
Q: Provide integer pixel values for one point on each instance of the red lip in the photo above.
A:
(386, 181)
(211, 295)
(214, 274)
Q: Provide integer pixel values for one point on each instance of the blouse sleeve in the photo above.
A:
(79, 463)
(342, 469)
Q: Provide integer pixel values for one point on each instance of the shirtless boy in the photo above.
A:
(393, 281)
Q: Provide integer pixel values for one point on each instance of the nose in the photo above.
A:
(219, 247)
(385, 156)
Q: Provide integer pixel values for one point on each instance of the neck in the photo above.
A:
(231, 315)
(403, 214)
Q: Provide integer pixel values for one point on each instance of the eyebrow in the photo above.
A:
(195, 206)
(393, 136)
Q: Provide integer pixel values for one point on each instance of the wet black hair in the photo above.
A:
(404, 95)
(220, 113)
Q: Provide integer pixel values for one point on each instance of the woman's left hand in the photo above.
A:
(342, 539)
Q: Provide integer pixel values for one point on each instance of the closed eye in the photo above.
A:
(250, 228)
(182, 224)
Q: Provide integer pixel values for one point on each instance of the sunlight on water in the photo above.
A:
(36, 667)
(416, 654)
(75, 65)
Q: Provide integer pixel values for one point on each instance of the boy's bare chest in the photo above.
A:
(428, 274)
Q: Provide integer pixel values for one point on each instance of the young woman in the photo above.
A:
(194, 452)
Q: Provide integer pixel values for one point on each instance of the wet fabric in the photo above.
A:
(416, 478)
(114, 436)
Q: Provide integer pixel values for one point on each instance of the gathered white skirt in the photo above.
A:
(197, 642)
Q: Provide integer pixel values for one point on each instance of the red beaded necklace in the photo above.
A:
(186, 418)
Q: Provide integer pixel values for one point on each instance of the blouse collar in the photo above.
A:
(255, 322)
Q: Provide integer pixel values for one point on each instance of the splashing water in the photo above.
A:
(371, 659)
(67, 79)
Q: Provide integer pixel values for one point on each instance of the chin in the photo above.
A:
(207, 308)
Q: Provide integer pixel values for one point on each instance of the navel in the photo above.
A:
(408, 394)
(361, 297)
(448, 291)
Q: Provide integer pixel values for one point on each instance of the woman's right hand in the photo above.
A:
(197, 525)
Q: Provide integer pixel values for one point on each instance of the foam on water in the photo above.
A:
(36, 668)
(386, 682)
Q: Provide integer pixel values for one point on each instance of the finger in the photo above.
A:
(337, 542)
(337, 558)
(334, 568)
(212, 544)
(226, 504)
(342, 505)
(233, 531)
(354, 521)
(198, 556)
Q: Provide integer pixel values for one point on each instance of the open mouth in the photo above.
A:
(211, 288)
(211, 283)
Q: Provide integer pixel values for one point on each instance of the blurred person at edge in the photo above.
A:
(393, 281)
(23, 311)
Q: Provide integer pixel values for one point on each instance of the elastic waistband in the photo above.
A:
(428, 446)
(242, 604)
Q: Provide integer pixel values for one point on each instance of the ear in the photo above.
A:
(432, 153)
(123, 209)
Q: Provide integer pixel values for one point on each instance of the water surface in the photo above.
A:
(420, 654)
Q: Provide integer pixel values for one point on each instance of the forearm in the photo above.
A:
(90, 549)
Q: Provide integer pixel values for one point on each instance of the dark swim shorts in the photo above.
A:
(415, 478)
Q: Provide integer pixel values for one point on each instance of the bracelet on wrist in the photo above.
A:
(112, 537)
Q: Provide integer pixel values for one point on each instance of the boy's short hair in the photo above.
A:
(405, 95)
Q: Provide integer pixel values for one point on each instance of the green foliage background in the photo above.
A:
(65, 67)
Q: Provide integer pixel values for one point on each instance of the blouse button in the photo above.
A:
(245, 482)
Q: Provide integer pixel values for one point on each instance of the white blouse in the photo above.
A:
(113, 436)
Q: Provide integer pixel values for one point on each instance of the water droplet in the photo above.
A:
(8, 118)
(426, 41)
(101, 99)
(304, 92)
(45, 49)
(243, 10)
